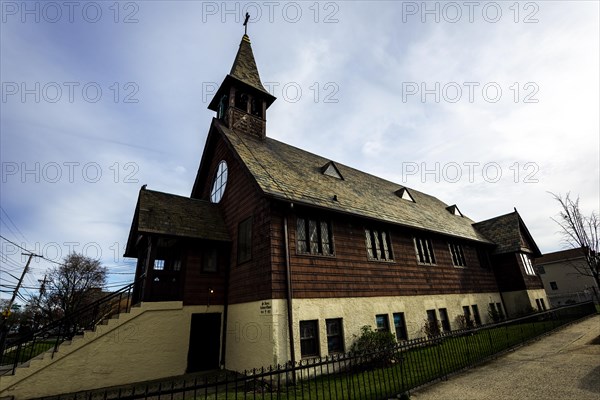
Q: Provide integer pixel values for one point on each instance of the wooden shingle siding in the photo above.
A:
(351, 274)
(250, 280)
(197, 282)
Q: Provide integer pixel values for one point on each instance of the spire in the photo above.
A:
(244, 66)
(244, 73)
(241, 101)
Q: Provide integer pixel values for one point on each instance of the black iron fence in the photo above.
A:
(386, 373)
(23, 348)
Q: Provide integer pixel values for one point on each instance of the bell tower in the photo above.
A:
(241, 102)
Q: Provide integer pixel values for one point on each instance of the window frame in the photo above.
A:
(527, 264)
(553, 285)
(245, 230)
(378, 243)
(418, 243)
(444, 319)
(206, 257)
(220, 178)
(313, 339)
(457, 255)
(483, 256)
(307, 240)
(386, 320)
(401, 332)
(476, 315)
(339, 335)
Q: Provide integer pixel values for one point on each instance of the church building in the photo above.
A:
(280, 254)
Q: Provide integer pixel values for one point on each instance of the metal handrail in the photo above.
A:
(85, 318)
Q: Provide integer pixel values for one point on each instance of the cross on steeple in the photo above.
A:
(246, 24)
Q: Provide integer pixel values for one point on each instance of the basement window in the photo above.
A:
(335, 336)
(309, 338)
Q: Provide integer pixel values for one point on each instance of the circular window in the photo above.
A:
(218, 186)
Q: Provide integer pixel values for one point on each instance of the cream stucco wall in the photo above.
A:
(150, 342)
(521, 302)
(359, 311)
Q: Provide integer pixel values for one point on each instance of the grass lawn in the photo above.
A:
(27, 352)
(409, 368)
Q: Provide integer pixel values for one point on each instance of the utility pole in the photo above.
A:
(6, 312)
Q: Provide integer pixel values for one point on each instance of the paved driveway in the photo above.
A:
(564, 365)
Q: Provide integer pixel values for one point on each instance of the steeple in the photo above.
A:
(242, 101)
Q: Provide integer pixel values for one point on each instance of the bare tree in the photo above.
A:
(580, 231)
(75, 283)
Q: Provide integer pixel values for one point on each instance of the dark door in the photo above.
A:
(205, 342)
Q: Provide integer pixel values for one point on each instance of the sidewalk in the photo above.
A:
(563, 365)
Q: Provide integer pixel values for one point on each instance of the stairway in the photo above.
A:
(142, 343)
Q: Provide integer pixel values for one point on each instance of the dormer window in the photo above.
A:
(404, 194)
(330, 169)
(454, 210)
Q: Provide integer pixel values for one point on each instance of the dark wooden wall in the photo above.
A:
(350, 273)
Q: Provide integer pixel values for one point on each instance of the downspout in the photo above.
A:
(290, 313)
(225, 314)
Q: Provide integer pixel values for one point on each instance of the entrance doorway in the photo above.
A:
(205, 342)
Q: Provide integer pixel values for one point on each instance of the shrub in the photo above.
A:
(464, 323)
(377, 347)
(431, 328)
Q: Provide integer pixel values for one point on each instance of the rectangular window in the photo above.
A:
(500, 311)
(537, 303)
(541, 270)
(434, 328)
(314, 237)
(527, 264)
(458, 257)
(424, 251)
(444, 319)
(209, 260)
(383, 323)
(553, 286)
(159, 265)
(467, 314)
(400, 325)
(309, 338)
(335, 336)
(484, 258)
(379, 246)
(543, 303)
(245, 240)
(476, 315)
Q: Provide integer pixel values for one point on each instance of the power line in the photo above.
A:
(13, 223)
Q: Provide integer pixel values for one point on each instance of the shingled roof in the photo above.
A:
(563, 255)
(288, 173)
(172, 215)
(509, 233)
(245, 71)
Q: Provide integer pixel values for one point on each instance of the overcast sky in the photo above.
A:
(487, 105)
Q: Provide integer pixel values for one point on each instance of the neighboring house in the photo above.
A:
(562, 279)
(280, 254)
